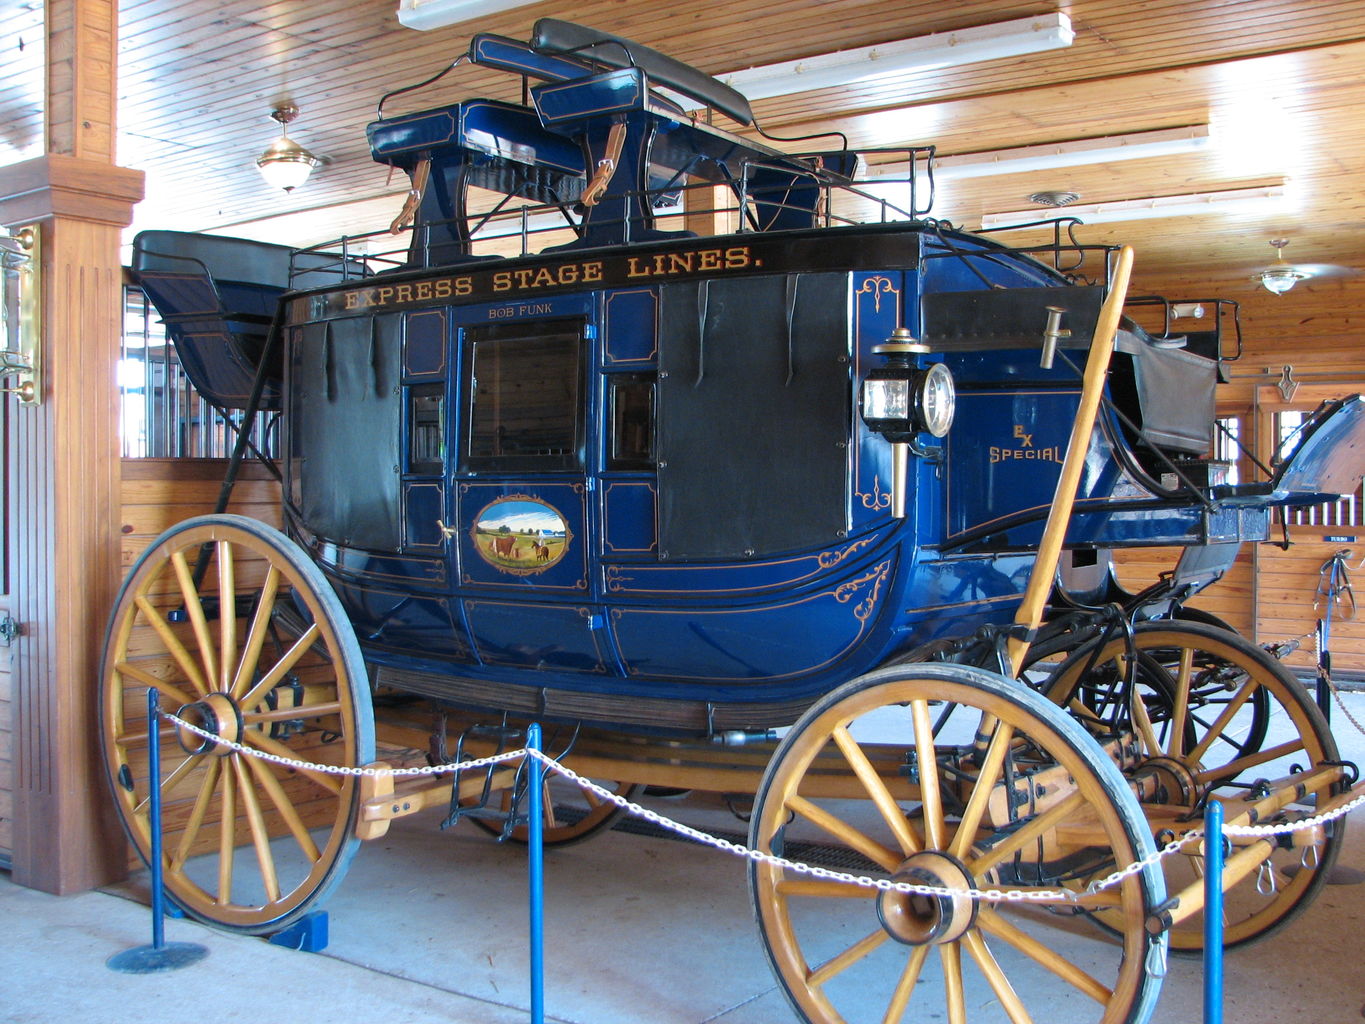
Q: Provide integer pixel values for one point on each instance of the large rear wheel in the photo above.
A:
(1004, 792)
(258, 652)
(1212, 716)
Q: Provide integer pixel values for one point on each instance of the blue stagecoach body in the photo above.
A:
(626, 478)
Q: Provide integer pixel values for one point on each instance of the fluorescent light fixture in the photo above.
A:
(1052, 155)
(923, 53)
(429, 14)
(1194, 204)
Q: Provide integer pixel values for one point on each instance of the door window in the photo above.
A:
(525, 402)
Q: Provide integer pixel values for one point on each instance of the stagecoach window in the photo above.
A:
(345, 428)
(632, 422)
(426, 428)
(525, 406)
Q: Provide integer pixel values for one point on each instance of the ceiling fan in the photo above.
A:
(1280, 276)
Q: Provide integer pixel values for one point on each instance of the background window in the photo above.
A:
(161, 416)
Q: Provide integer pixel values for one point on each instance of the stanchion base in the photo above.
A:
(149, 960)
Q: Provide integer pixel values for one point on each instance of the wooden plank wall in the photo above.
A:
(1270, 595)
(157, 494)
(1288, 604)
(1229, 598)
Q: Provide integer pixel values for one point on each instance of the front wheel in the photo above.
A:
(259, 653)
(1005, 791)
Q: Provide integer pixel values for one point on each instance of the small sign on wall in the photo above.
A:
(1338, 538)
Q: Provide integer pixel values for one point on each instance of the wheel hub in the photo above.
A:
(1165, 780)
(216, 713)
(921, 920)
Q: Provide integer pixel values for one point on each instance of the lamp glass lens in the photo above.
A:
(938, 399)
(886, 399)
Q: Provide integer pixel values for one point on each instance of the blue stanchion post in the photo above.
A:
(536, 851)
(154, 819)
(160, 955)
(1213, 913)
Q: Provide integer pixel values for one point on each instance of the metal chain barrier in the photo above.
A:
(1138, 866)
(758, 856)
(1293, 826)
(813, 870)
(340, 769)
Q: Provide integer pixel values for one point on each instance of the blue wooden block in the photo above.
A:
(308, 934)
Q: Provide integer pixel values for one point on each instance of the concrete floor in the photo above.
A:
(431, 926)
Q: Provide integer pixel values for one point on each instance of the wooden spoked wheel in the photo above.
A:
(570, 814)
(259, 653)
(1211, 716)
(1006, 792)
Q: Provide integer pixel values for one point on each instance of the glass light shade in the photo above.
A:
(286, 164)
(1280, 279)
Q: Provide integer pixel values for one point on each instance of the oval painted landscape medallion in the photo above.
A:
(520, 535)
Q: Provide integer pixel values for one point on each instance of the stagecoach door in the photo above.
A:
(521, 485)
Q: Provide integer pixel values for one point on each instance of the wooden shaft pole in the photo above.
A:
(1283, 793)
(1190, 900)
(1030, 613)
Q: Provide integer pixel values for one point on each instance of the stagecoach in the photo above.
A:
(742, 473)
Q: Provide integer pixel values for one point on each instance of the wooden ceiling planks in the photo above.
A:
(1318, 91)
(1119, 39)
(198, 78)
(21, 80)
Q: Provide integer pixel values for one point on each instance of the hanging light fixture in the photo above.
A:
(285, 164)
(1280, 276)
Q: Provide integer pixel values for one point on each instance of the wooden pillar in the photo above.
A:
(64, 461)
(706, 209)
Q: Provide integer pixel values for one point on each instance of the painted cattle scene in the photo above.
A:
(520, 535)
